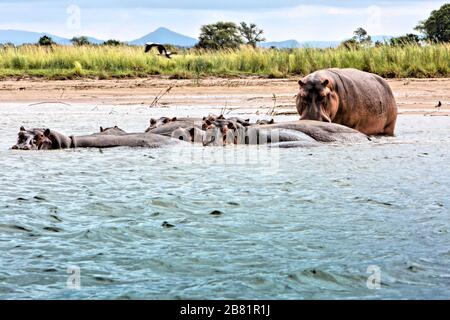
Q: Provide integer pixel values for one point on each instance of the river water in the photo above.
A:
(334, 222)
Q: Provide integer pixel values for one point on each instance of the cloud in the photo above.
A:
(281, 20)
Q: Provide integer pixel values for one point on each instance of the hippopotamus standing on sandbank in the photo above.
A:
(356, 99)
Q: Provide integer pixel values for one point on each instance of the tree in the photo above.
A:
(251, 34)
(80, 41)
(112, 42)
(46, 41)
(409, 39)
(360, 39)
(7, 45)
(361, 36)
(437, 27)
(350, 44)
(221, 35)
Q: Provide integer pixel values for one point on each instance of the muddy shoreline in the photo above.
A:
(414, 96)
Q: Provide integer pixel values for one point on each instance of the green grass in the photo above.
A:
(67, 62)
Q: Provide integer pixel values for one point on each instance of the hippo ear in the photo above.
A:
(301, 83)
(325, 82)
(101, 129)
(116, 127)
(22, 128)
(221, 117)
(272, 121)
(192, 131)
(47, 132)
(152, 121)
(174, 119)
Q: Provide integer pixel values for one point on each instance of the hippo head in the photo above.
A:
(317, 100)
(111, 131)
(155, 123)
(26, 139)
(182, 134)
(264, 122)
(219, 133)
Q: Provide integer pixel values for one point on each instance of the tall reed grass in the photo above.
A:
(126, 61)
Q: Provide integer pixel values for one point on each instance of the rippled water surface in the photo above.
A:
(294, 224)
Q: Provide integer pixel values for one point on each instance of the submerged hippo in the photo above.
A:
(287, 134)
(263, 122)
(168, 128)
(157, 123)
(223, 131)
(191, 134)
(40, 139)
(113, 131)
(356, 99)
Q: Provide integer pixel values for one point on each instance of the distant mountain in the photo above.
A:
(166, 36)
(290, 44)
(18, 37)
(287, 44)
(95, 40)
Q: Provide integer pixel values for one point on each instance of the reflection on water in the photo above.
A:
(295, 224)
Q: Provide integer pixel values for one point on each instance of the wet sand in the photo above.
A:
(273, 96)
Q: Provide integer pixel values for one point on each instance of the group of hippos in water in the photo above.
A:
(335, 105)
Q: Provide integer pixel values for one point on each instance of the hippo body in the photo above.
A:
(46, 139)
(168, 128)
(288, 134)
(360, 100)
(167, 122)
(321, 131)
(134, 140)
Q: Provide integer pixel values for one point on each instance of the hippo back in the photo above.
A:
(322, 131)
(362, 96)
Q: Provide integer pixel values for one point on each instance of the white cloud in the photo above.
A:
(301, 22)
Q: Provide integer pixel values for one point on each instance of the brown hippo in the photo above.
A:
(356, 99)
(52, 140)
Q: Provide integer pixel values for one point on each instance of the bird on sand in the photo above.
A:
(161, 49)
(439, 105)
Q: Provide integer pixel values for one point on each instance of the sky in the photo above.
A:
(319, 20)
